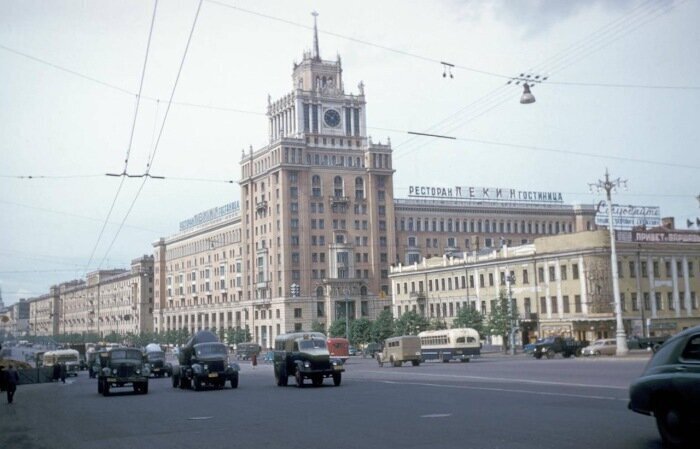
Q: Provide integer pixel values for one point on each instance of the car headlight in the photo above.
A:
(114, 371)
(307, 364)
(146, 371)
(105, 371)
(137, 371)
(197, 368)
(206, 367)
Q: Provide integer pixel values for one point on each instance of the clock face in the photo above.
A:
(332, 118)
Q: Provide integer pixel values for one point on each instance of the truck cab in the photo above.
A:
(305, 355)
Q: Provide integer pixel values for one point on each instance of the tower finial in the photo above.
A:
(316, 53)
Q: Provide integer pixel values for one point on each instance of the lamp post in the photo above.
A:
(608, 185)
(510, 279)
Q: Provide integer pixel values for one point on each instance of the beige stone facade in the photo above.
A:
(563, 285)
(110, 301)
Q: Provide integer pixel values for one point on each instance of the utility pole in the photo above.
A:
(510, 279)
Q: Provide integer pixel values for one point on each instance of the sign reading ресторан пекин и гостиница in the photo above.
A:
(485, 194)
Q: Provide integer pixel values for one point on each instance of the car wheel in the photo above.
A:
(99, 387)
(281, 375)
(550, 354)
(672, 425)
(105, 388)
(538, 355)
(300, 379)
(336, 379)
(317, 380)
(234, 380)
(578, 352)
(597, 353)
(415, 362)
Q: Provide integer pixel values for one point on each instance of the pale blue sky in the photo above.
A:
(57, 123)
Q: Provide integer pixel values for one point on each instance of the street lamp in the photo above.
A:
(608, 185)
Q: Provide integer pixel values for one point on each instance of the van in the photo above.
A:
(398, 350)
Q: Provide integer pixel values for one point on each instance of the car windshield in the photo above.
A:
(312, 344)
(598, 343)
(206, 349)
(153, 356)
(548, 340)
(122, 354)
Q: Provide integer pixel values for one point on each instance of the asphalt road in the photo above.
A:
(494, 402)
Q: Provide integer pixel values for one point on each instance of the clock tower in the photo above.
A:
(317, 209)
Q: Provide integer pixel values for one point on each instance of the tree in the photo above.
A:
(437, 324)
(337, 329)
(469, 317)
(317, 326)
(360, 331)
(499, 320)
(238, 335)
(411, 323)
(383, 326)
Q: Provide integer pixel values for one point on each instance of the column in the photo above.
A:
(582, 281)
(686, 287)
(547, 299)
(652, 289)
(674, 280)
(560, 300)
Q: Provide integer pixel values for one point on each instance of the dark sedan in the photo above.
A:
(669, 389)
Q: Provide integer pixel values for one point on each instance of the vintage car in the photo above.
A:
(305, 355)
(204, 362)
(606, 346)
(121, 367)
(669, 389)
(154, 356)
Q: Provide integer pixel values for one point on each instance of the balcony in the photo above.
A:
(338, 200)
(418, 296)
(261, 206)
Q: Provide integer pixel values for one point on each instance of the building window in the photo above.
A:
(657, 299)
(635, 306)
(565, 302)
(320, 309)
(552, 274)
(526, 279)
(543, 305)
(490, 279)
(644, 270)
(555, 305)
(577, 303)
(647, 302)
(633, 271)
(669, 297)
(563, 272)
(540, 274)
(297, 313)
(574, 271)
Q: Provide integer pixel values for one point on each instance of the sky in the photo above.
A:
(622, 94)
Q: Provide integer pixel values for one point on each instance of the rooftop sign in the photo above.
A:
(485, 194)
(209, 215)
(628, 217)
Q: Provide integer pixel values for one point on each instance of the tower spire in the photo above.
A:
(316, 53)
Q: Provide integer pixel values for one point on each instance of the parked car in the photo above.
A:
(352, 351)
(607, 346)
(669, 389)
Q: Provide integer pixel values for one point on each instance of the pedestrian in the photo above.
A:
(12, 379)
(63, 372)
(56, 372)
(254, 359)
(3, 378)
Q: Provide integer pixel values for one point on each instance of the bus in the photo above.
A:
(450, 344)
(69, 357)
(339, 348)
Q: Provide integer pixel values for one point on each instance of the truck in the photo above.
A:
(551, 346)
(203, 361)
(305, 355)
(121, 367)
(154, 356)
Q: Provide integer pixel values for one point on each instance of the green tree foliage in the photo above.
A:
(437, 324)
(499, 320)
(383, 326)
(360, 331)
(238, 335)
(337, 329)
(317, 326)
(410, 323)
(469, 317)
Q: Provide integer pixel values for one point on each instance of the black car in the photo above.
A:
(669, 389)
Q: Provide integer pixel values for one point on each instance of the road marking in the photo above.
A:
(502, 379)
(507, 390)
(200, 418)
(437, 415)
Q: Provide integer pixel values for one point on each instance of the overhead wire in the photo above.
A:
(149, 164)
(131, 138)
